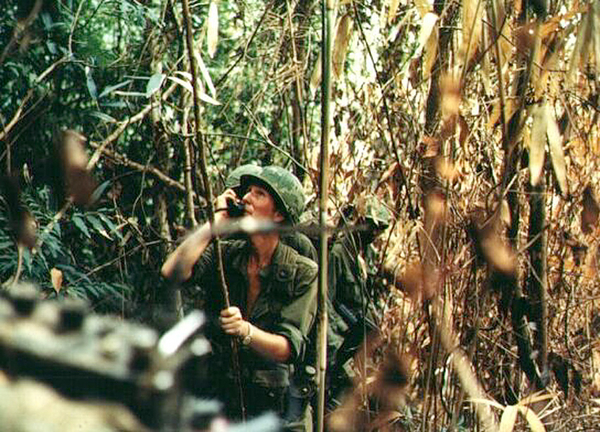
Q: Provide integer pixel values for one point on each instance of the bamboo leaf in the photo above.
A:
(104, 117)
(110, 89)
(500, 32)
(536, 397)
(154, 83)
(471, 29)
(392, 10)
(534, 421)
(595, 29)
(91, 84)
(537, 143)
(581, 47)
(430, 48)
(508, 419)
(212, 31)
(183, 83)
(427, 27)
(340, 44)
(208, 99)
(423, 7)
(557, 153)
(206, 75)
(487, 402)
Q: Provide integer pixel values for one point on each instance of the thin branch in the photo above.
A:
(141, 167)
(119, 130)
(21, 28)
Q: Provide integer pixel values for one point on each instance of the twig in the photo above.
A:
(21, 28)
(119, 130)
(141, 167)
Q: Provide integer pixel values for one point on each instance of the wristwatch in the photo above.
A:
(247, 340)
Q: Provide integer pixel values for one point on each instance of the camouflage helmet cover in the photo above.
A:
(233, 180)
(285, 188)
(376, 211)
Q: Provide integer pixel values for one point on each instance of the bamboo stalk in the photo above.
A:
(200, 140)
(328, 11)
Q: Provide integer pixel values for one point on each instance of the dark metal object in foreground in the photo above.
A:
(105, 361)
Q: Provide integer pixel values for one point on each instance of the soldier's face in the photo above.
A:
(260, 204)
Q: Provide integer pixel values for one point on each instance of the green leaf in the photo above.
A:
(183, 83)
(80, 224)
(103, 117)
(99, 191)
(112, 88)
(110, 225)
(91, 85)
(154, 83)
(98, 226)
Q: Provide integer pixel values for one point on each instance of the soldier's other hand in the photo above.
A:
(232, 322)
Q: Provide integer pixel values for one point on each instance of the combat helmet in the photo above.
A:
(285, 188)
(233, 180)
(377, 212)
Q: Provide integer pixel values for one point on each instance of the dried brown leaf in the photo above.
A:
(534, 421)
(315, 77)
(472, 12)
(74, 177)
(392, 380)
(392, 10)
(590, 211)
(429, 147)
(505, 213)
(446, 169)
(212, 30)
(412, 281)
(56, 276)
(537, 143)
(501, 32)
(508, 419)
(582, 46)
(430, 36)
(73, 150)
(557, 153)
(465, 131)
(524, 37)
(423, 7)
(450, 95)
(341, 42)
(21, 222)
(27, 232)
(493, 249)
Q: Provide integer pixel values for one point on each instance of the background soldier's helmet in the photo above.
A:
(378, 213)
(285, 188)
(233, 180)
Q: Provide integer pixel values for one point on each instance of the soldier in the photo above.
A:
(273, 290)
(351, 311)
(296, 240)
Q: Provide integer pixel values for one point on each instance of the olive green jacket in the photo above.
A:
(286, 306)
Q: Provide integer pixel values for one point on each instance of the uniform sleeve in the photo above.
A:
(298, 316)
(334, 273)
(204, 268)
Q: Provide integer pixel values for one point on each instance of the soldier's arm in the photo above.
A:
(269, 345)
(179, 264)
